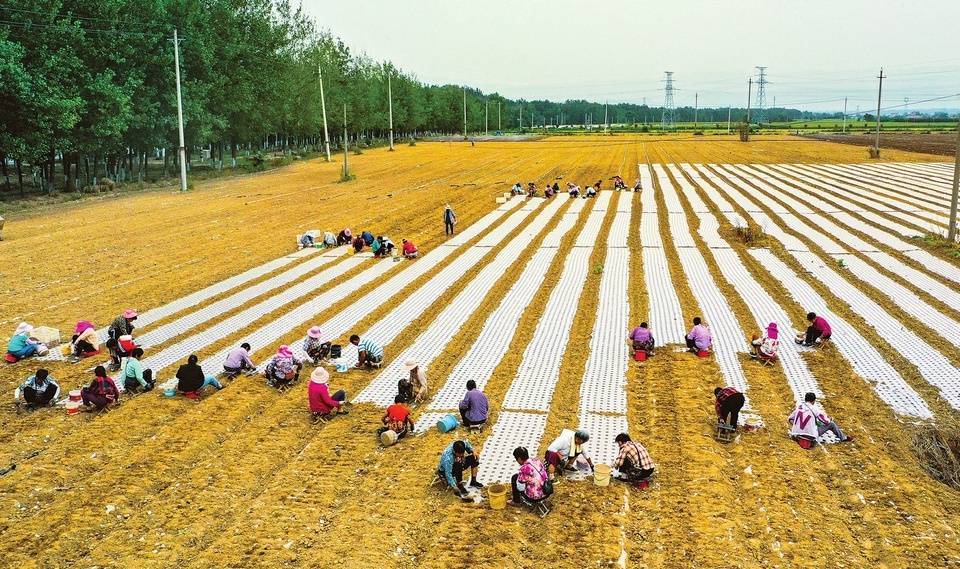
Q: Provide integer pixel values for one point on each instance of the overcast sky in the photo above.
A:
(816, 51)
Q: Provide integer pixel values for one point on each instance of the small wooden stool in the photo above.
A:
(725, 433)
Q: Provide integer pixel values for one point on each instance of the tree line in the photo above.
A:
(88, 88)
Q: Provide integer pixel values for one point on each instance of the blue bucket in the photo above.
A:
(447, 424)
(343, 367)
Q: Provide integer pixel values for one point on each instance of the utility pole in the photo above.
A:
(876, 146)
(390, 99)
(486, 117)
(696, 107)
(952, 232)
(521, 117)
(749, 92)
(464, 112)
(728, 120)
(182, 151)
(346, 168)
(323, 107)
(844, 115)
(606, 122)
(499, 126)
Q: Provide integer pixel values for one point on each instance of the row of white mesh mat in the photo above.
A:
(523, 417)
(665, 316)
(868, 363)
(301, 315)
(870, 196)
(388, 328)
(431, 342)
(867, 222)
(498, 330)
(900, 295)
(603, 389)
(156, 314)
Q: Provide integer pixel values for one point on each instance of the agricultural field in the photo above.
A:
(531, 298)
(942, 143)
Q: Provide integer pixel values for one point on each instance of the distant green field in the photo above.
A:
(803, 126)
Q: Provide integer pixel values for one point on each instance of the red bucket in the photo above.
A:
(10, 358)
(640, 355)
(703, 354)
(805, 442)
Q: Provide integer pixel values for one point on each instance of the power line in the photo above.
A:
(66, 15)
(67, 25)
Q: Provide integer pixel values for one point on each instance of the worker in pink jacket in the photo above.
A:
(322, 404)
(818, 331)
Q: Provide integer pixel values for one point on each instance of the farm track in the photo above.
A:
(241, 478)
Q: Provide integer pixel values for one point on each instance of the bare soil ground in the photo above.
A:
(940, 144)
(242, 478)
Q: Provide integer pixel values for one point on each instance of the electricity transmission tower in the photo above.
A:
(667, 120)
(761, 114)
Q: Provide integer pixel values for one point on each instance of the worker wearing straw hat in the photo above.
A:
(283, 369)
(322, 404)
(415, 384)
(314, 346)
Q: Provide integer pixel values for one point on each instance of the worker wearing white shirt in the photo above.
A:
(564, 451)
(810, 420)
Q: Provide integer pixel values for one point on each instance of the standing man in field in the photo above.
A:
(449, 220)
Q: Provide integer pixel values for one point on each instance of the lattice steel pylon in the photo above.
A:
(667, 120)
(761, 113)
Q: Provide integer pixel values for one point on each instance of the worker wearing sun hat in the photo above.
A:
(322, 404)
(765, 347)
(21, 345)
(314, 346)
(121, 326)
(416, 383)
(85, 340)
(283, 369)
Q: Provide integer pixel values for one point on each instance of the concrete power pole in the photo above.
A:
(696, 107)
(464, 112)
(499, 126)
(346, 167)
(486, 117)
(390, 103)
(876, 146)
(952, 232)
(182, 150)
(728, 119)
(606, 122)
(749, 92)
(323, 107)
(844, 115)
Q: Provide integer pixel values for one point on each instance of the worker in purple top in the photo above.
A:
(699, 339)
(818, 331)
(642, 338)
(474, 406)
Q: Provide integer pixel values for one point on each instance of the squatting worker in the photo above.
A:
(456, 458)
